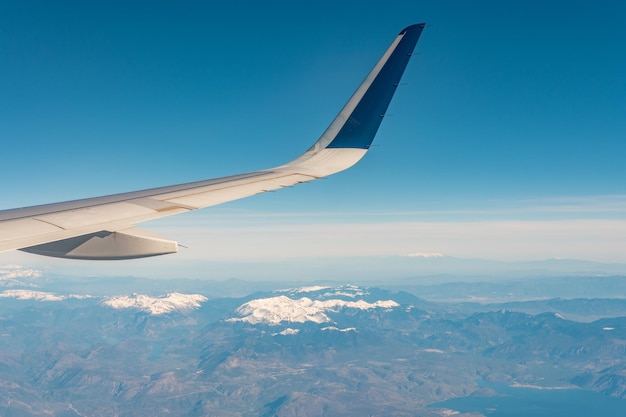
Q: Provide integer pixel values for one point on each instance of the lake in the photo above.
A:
(524, 402)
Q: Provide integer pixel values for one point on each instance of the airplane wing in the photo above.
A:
(102, 228)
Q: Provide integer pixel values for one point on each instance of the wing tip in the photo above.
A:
(369, 104)
(409, 28)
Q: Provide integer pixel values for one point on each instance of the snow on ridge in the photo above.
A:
(275, 310)
(81, 296)
(340, 293)
(337, 329)
(41, 295)
(311, 288)
(153, 305)
(433, 350)
(31, 295)
(347, 290)
(156, 305)
(287, 332)
(351, 291)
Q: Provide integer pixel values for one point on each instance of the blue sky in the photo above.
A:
(510, 126)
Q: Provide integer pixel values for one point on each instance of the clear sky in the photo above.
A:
(506, 142)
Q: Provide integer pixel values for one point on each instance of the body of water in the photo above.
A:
(508, 401)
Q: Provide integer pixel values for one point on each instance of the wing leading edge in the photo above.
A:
(102, 228)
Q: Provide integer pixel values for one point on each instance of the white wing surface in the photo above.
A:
(103, 227)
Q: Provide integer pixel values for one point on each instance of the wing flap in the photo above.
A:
(127, 244)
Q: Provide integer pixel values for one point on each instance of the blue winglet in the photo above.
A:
(361, 126)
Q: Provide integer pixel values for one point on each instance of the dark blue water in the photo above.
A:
(530, 402)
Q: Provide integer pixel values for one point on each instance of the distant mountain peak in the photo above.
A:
(31, 295)
(425, 255)
(323, 292)
(312, 288)
(13, 272)
(313, 308)
(156, 305)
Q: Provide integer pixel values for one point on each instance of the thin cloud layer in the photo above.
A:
(600, 240)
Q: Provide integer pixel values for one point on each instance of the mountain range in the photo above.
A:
(323, 349)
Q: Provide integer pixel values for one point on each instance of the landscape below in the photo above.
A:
(323, 349)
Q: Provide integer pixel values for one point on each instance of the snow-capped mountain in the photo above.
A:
(15, 276)
(153, 305)
(156, 305)
(318, 291)
(331, 350)
(31, 295)
(292, 307)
